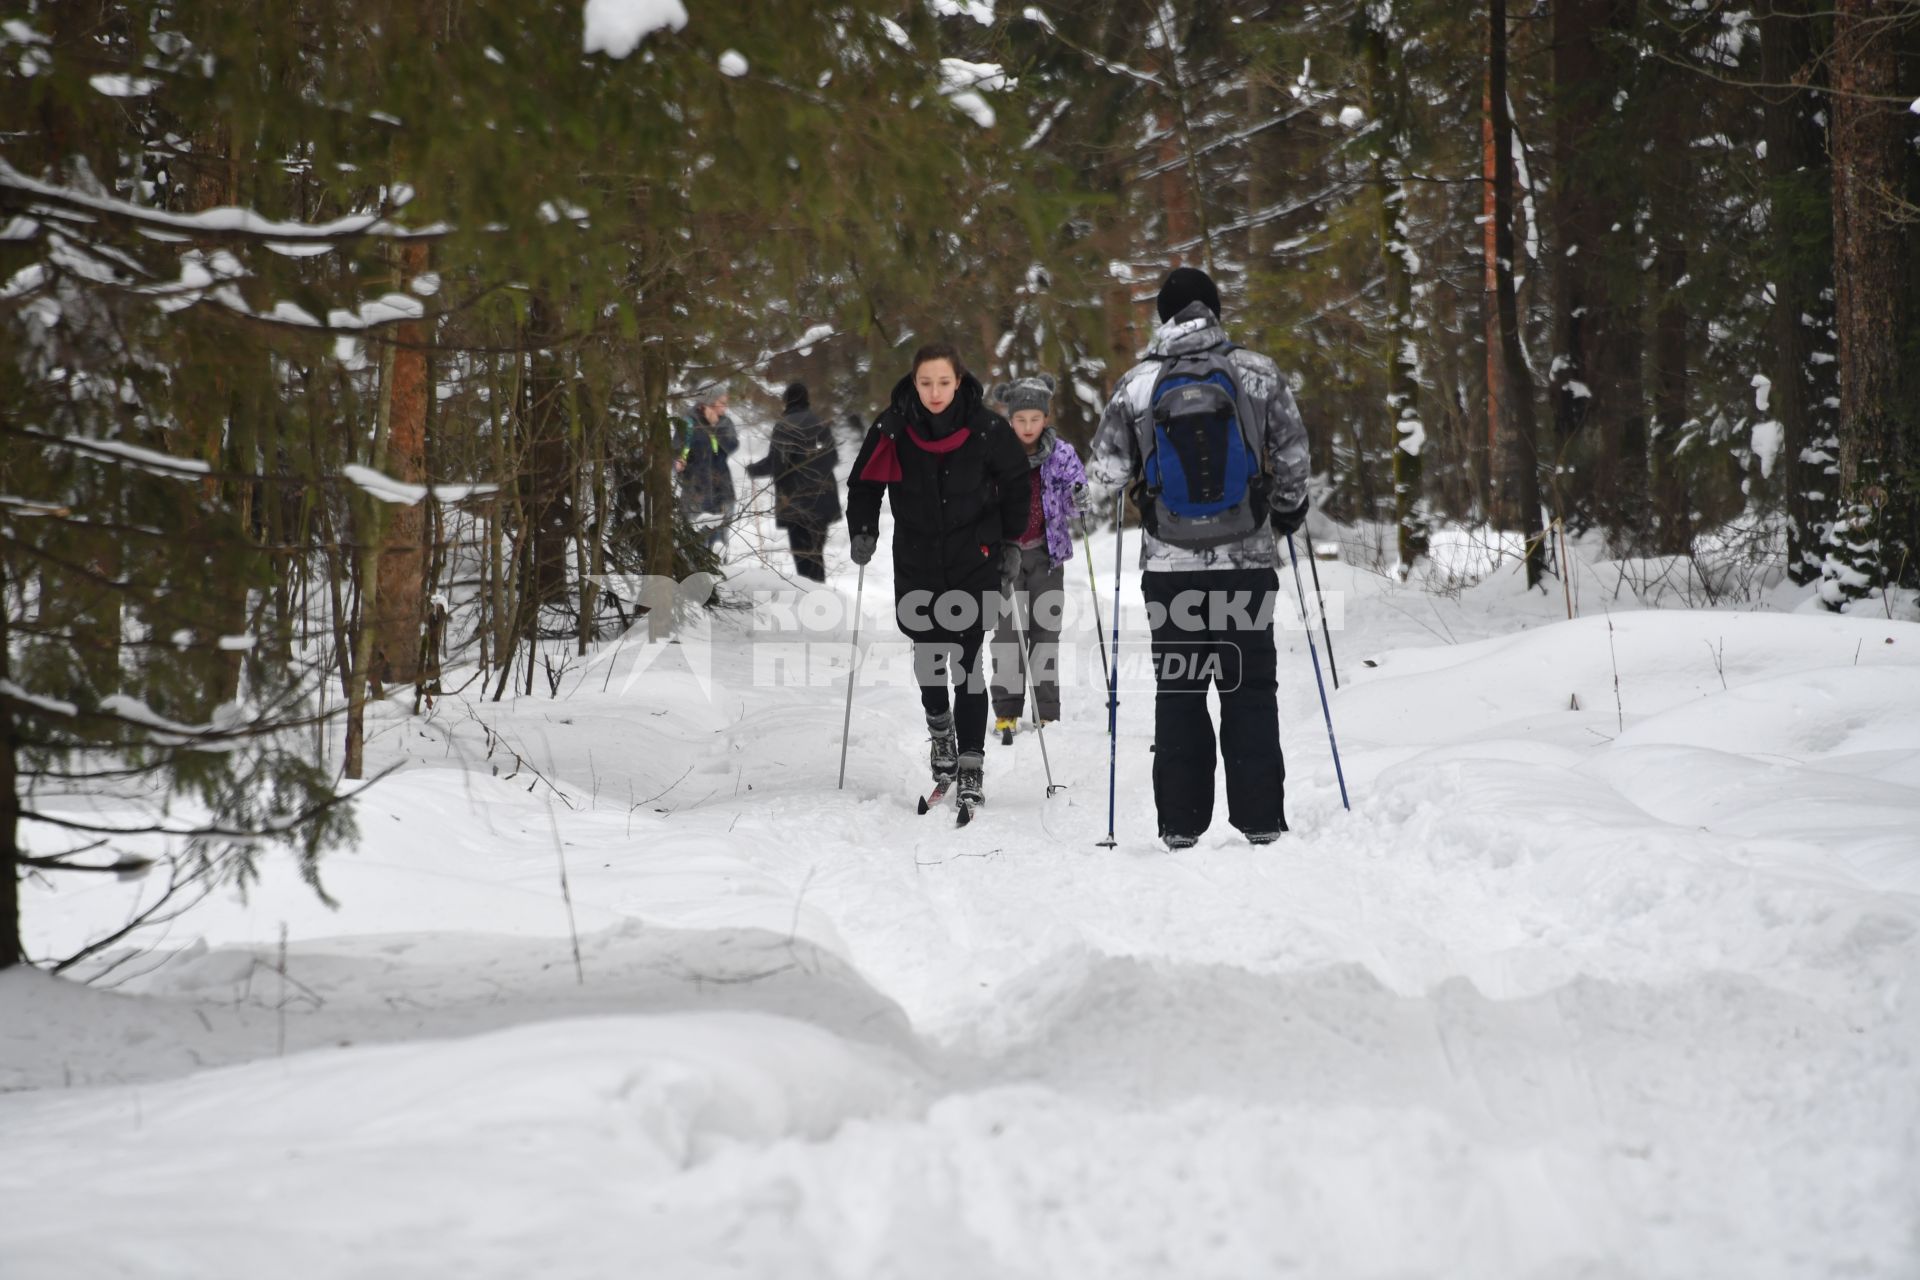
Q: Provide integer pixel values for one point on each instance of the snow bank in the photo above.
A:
(1577, 988)
(368, 1157)
(1526, 683)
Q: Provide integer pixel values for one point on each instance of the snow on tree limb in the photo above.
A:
(130, 454)
(53, 706)
(962, 82)
(981, 11)
(387, 489)
(616, 27)
(227, 221)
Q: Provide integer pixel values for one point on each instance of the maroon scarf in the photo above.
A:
(883, 464)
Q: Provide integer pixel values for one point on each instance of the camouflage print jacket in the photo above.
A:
(1115, 454)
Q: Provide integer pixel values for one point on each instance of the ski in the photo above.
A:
(935, 796)
(964, 816)
(1006, 737)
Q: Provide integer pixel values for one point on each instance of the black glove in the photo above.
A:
(1287, 523)
(1009, 568)
(863, 545)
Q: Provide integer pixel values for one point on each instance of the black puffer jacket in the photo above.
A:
(954, 504)
(800, 459)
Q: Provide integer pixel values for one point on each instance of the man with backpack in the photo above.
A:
(1208, 439)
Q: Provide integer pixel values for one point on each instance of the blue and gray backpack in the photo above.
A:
(1204, 482)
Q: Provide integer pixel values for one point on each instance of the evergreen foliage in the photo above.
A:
(326, 318)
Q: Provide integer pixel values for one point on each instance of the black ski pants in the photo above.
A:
(949, 666)
(807, 542)
(1215, 627)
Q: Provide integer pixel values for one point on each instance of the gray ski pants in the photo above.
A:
(1040, 593)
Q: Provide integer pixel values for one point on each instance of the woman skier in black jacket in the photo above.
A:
(956, 479)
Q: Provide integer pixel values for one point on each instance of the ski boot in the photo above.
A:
(1175, 843)
(1005, 727)
(972, 788)
(944, 752)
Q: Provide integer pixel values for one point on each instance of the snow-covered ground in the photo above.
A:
(1609, 972)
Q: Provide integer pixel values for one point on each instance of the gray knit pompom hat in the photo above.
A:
(1035, 392)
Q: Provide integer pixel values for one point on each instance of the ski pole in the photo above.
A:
(1113, 671)
(1093, 585)
(1033, 694)
(846, 724)
(1313, 563)
(1325, 710)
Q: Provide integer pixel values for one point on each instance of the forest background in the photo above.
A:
(343, 341)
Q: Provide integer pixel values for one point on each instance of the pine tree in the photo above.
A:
(1876, 538)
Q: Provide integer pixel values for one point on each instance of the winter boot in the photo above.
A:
(972, 779)
(944, 754)
(1005, 727)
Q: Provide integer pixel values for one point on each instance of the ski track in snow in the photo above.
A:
(1558, 998)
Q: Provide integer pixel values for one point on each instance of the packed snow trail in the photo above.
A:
(1621, 990)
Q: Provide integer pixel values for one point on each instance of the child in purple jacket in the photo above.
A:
(1059, 485)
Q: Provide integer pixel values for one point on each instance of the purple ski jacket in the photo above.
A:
(1060, 474)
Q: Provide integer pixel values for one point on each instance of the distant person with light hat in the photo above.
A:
(1026, 644)
(706, 444)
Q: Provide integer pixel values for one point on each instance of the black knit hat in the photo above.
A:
(1185, 285)
(795, 396)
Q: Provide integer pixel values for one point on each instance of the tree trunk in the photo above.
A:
(659, 478)
(1806, 471)
(400, 620)
(1261, 174)
(1491, 145)
(509, 513)
(1407, 432)
(12, 952)
(370, 524)
(1122, 332)
(1187, 216)
(547, 470)
(1594, 377)
(592, 484)
(434, 543)
(225, 417)
(1669, 200)
(64, 144)
(1512, 450)
(1672, 490)
(1875, 534)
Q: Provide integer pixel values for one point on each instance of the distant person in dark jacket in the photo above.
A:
(956, 478)
(706, 478)
(806, 494)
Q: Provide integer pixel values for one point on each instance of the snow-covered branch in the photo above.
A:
(20, 193)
